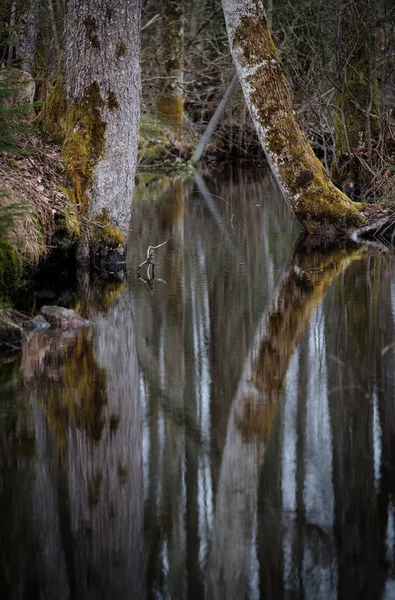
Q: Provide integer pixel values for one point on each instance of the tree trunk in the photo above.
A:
(29, 37)
(102, 96)
(319, 206)
(215, 119)
(170, 102)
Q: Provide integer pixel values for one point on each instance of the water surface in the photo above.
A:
(223, 430)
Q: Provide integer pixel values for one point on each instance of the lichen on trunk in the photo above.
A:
(317, 203)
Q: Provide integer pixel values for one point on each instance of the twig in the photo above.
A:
(150, 256)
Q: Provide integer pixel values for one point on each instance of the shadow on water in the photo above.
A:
(225, 429)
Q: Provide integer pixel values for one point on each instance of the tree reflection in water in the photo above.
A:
(249, 451)
(72, 500)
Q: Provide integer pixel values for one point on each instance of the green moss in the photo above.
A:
(275, 141)
(304, 179)
(112, 101)
(68, 225)
(90, 30)
(253, 35)
(120, 50)
(315, 200)
(151, 152)
(170, 107)
(52, 118)
(152, 131)
(153, 142)
(105, 232)
(11, 268)
(81, 130)
(84, 144)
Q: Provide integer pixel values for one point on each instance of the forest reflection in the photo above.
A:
(226, 432)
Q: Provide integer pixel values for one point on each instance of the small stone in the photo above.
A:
(38, 323)
(63, 318)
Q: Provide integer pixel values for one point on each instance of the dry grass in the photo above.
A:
(32, 182)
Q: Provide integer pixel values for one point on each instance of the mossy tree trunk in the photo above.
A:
(317, 203)
(357, 104)
(170, 102)
(102, 92)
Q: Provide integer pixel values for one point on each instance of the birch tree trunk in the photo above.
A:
(319, 206)
(102, 94)
(170, 102)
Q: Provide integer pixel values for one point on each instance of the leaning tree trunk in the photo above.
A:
(170, 101)
(101, 75)
(317, 203)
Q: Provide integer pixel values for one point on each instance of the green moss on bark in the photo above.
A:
(68, 225)
(52, 118)
(105, 232)
(81, 131)
(11, 268)
(316, 201)
(84, 145)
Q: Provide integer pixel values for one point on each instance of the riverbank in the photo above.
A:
(35, 181)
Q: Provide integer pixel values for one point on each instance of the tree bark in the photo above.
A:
(102, 93)
(29, 37)
(319, 206)
(170, 102)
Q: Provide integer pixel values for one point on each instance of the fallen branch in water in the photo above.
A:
(150, 256)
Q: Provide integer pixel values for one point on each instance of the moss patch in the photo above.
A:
(84, 145)
(11, 268)
(52, 118)
(105, 232)
(67, 225)
(161, 147)
(171, 108)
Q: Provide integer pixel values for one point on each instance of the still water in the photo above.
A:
(225, 430)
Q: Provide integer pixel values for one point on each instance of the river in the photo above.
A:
(222, 430)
